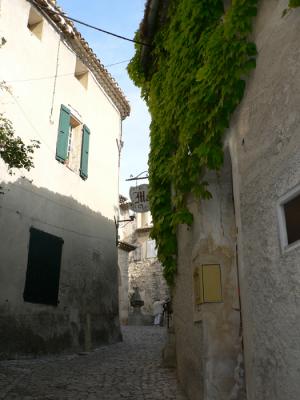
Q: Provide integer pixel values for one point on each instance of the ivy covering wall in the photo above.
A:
(294, 3)
(193, 80)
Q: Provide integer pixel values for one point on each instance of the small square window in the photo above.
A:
(207, 284)
(81, 73)
(292, 219)
(43, 268)
(35, 23)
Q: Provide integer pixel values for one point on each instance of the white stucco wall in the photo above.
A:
(24, 60)
(53, 198)
(265, 148)
(123, 286)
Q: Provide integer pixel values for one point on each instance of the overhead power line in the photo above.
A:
(62, 14)
(58, 76)
(117, 63)
(107, 32)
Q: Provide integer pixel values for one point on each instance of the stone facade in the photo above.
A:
(123, 251)
(264, 144)
(208, 331)
(243, 229)
(143, 270)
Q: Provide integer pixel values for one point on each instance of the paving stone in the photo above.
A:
(127, 370)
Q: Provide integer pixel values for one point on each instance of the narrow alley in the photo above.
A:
(127, 370)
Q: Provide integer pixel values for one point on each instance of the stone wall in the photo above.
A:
(207, 335)
(265, 148)
(242, 228)
(123, 286)
(148, 277)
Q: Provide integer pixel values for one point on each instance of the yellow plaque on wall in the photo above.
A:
(212, 284)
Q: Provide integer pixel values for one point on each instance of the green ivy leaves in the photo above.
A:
(294, 3)
(194, 82)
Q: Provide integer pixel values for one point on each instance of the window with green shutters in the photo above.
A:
(84, 152)
(63, 134)
(73, 139)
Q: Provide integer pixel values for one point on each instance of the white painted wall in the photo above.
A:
(24, 60)
(53, 198)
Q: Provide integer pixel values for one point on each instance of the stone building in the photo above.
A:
(145, 271)
(140, 264)
(58, 268)
(124, 248)
(238, 274)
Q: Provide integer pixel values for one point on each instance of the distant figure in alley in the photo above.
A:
(158, 312)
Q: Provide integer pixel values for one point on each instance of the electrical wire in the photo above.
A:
(38, 79)
(107, 32)
(62, 14)
(59, 75)
(55, 79)
(117, 63)
(42, 140)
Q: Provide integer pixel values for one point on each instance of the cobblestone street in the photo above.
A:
(127, 370)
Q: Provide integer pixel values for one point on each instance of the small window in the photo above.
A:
(81, 73)
(292, 219)
(35, 23)
(43, 268)
(207, 284)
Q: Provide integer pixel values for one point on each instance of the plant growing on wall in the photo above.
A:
(294, 3)
(12, 149)
(193, 81)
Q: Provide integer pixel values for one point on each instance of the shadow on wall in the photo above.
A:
(76, 308)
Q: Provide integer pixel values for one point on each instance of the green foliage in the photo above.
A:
(196, 79)
(294, 3)
(12, 149)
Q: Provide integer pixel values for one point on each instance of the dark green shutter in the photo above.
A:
(43, 268)
(63, 134)
(84, 152)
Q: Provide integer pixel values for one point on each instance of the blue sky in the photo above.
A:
(121, 17)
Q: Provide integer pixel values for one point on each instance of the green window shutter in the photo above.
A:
(84, 152)
(63, 134)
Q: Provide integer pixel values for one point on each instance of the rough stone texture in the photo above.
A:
(207, 335)
(143, 271)
(129, 370)
(263, 141)
(265, 148)
(148, 277)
